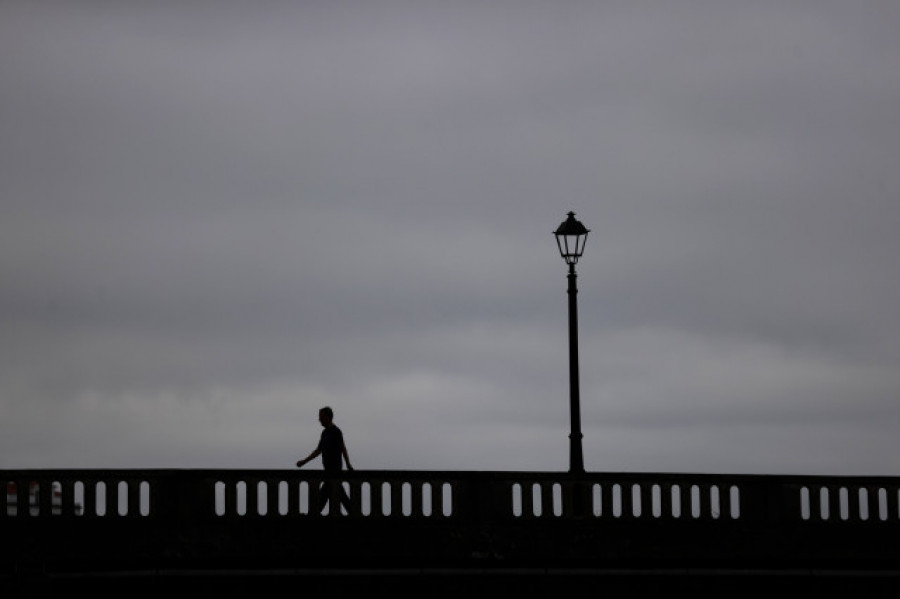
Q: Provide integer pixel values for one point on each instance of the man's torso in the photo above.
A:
(331, 444)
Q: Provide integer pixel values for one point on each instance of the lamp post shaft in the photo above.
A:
(576, 458)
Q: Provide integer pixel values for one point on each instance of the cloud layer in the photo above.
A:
(218, 218)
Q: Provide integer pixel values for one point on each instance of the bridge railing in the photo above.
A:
(201, 495)
(180, 531)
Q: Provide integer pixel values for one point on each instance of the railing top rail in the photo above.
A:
(12, 474)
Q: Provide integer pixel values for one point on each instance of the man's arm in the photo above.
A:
(311, 456)
(346, 456)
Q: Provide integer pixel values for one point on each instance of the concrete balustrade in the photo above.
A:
(90, 524)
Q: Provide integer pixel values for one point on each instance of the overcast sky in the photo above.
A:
(219, 216)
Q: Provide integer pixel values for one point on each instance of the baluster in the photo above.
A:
(826, 504)
(606, 499)
(725, 503)
(437, 499)
(627, 496)
(527, 499)
(153, 496)
(870, 503)
(252, 497)
(90, 498)
(665, 500)
(111, 495)
(315, 488)
(377, 498)
(853, 504)
(272, 497)
(293, 497)
(832, 498)
(815, 507)
(683, 493)
(874, 512)
(450, 504)
(546, 498)
(382, 491)
(640, 503)
(643, 501)
(230, 498)
(893, 503)
(45, 498)
(704, 501)
(575, 501)
(355, 493)
(416, 509)
(23, 496)
(66, 499)
(397, 498)
(134, 498)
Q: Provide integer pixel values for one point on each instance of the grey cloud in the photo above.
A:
(217, 218)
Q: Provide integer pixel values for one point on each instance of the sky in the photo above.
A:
(220, 216)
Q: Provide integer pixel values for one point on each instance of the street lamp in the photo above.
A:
(570, 238)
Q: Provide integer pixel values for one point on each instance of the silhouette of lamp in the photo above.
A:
(571, 237)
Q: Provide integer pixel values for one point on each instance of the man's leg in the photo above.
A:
(323, 496)
(333, 487)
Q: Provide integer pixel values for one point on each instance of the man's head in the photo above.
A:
(326, 415)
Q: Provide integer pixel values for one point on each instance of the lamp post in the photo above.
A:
(571, 236)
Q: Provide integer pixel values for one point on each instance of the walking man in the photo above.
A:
(334, 454)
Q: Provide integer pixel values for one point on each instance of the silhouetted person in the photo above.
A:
(333, 451)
